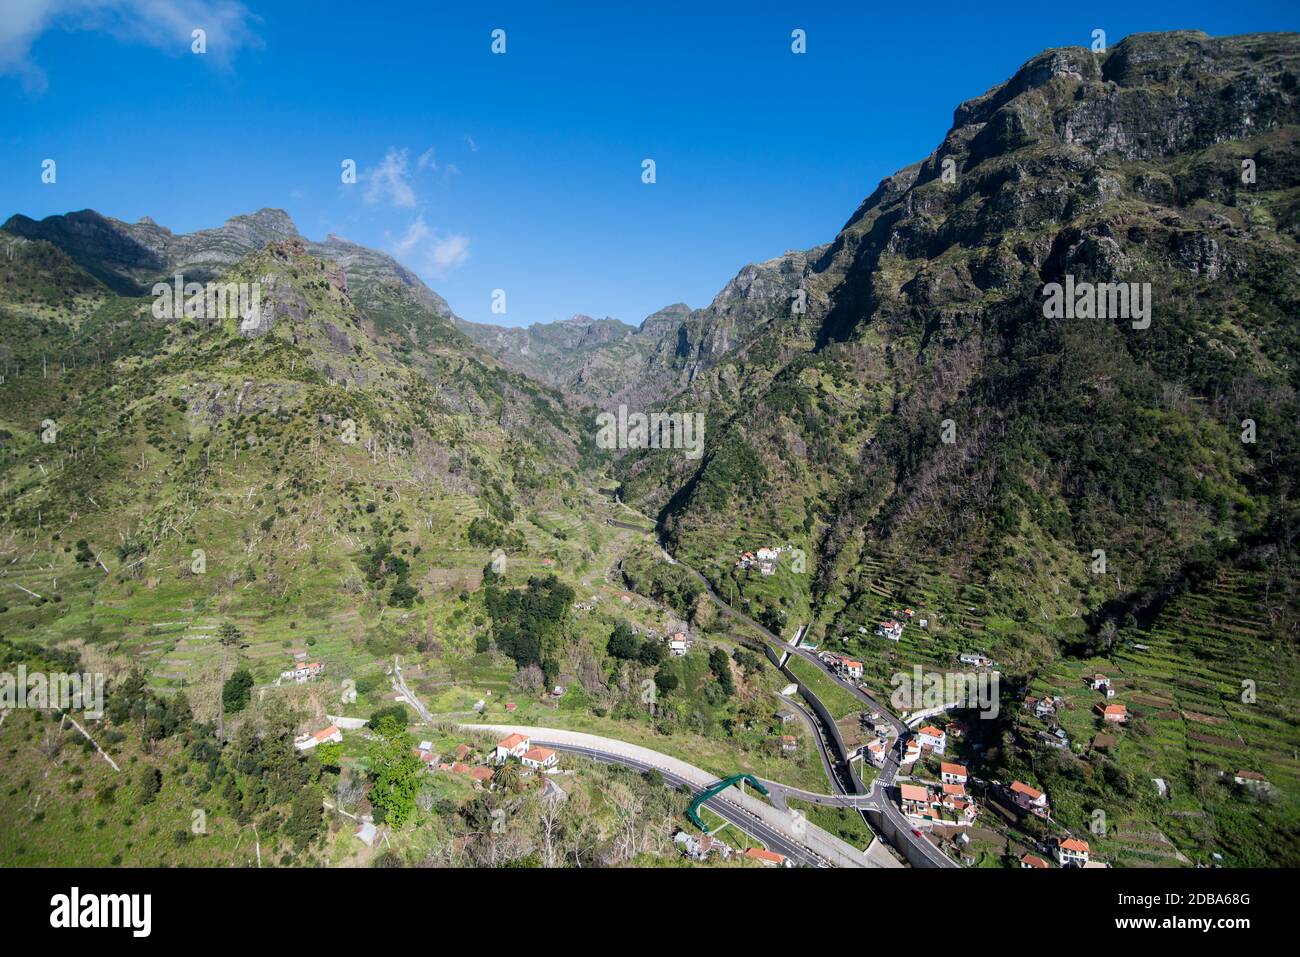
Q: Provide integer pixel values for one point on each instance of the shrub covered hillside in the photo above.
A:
(1041, 486)
(302, 470)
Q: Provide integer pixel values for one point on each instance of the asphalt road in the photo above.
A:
(879, 797)
(755, 827)
(784, 832)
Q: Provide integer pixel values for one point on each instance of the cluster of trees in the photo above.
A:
(625, 646)
(380, 563)
(259, 775)
(673, 585)
(492, 534)
(530, 625)
(396, 773)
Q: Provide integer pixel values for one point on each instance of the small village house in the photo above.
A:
(512, 746)
(327, 735)
(1071, 852)
(932, 738)
(1029, 799)
(1100, 682)
(1112, 712)
(539, 758)
(303, 672)
(767, 858)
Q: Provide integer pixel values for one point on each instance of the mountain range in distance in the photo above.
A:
(900, 428)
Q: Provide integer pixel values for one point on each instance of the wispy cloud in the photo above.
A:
(450, 252)
(388, 181)
(428, 251)
(427, 161)
(166, 25)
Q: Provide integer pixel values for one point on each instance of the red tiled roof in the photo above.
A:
(1072, 844)
(538, 754)
(513, 741)
(932, 731)
(1033, 860)
(767, 857)
(948, 767)
(1020, 787)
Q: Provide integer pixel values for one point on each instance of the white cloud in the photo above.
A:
(450, 252)
(428, 251)
(426, 160)
(387, 181)
(473, 147)
(416, 233)
(163, 24)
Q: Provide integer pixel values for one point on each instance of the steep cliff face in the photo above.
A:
(925, 404)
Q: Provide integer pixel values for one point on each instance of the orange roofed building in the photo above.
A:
(512, 746)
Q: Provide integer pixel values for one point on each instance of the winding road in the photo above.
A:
(878, 798)
(785, 832)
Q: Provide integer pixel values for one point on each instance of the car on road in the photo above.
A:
(917, 832)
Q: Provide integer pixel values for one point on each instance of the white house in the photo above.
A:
(539, 758)
(303, 672)
(1100, 682)
(678, 644)
(850, 668)
(513, 746)
(698, 848)
(932, 738)
(891, 630)
(1071, 852)
(876, 753)
(976, 659)
(328, 735)
(952, 773)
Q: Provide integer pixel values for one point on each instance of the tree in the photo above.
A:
(148, 783)
(397, 773)
(652, 653)
(229, 635)
(507, 776)
(719, 665)
(237, 691)
(305, 819)
(622, 643)
(330, 755)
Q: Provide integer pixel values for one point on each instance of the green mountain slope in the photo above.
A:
(930, 438)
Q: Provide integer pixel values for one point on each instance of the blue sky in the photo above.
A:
(519, 171)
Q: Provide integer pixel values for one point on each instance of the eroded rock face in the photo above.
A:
(277, 300)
